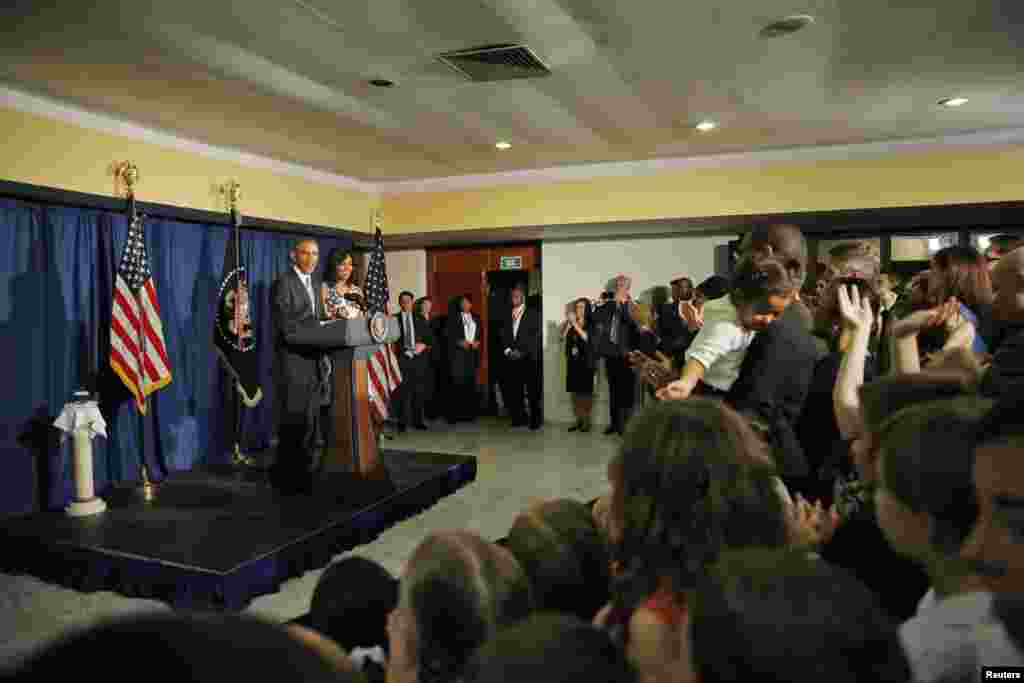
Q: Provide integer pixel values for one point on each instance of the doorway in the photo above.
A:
(467, 270)
(499, 305)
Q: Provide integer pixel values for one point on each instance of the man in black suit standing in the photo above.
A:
(464, 338)
(520, 370)
(300, 371)
(779, 364)
(414, 346)
(615, 335)
(672, 329)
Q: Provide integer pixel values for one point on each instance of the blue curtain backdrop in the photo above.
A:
(57, 269)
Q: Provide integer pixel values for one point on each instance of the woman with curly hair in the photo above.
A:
(695, 479)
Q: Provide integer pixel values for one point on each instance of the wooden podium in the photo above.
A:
(351, 440)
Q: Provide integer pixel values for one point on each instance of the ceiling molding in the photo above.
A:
(43, 106)
(1009, 136)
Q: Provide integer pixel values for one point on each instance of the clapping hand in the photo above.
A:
(854, 309)
(918, 321)
(813, 525)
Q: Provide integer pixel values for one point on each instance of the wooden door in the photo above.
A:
(449, 285)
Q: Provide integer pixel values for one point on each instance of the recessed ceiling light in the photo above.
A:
(705, 126)
(954, 101)
(382, 83)
(503, 145)
(786, 25)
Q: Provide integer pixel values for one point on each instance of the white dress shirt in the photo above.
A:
(517, 316)
(409, 331)
(470, 326)
(307, 282)
(720, 347)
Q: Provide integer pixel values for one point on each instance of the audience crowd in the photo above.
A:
(830, 488)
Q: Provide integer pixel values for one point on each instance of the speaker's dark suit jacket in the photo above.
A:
(297, 368)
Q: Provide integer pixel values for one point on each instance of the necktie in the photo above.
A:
(614, 332)
(409, 341)
(309, 291)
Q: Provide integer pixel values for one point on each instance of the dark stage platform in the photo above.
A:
(215, 538)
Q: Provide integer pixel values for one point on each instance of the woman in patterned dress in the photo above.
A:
(341, 297)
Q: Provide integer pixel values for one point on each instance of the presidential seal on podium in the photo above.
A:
(378, 327)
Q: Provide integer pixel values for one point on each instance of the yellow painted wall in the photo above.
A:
(949, 176)
(44, 151)
(53, 153)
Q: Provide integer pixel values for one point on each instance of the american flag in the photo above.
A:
(383, 366)
(137, 351)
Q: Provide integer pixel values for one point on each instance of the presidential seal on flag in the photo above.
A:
(234, 324)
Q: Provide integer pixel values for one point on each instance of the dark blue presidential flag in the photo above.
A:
(233, 335)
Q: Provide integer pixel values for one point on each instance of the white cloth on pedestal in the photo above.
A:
(81, 415)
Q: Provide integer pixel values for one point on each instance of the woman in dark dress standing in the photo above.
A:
(579, 380)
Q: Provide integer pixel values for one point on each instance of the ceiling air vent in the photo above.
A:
(496, 63)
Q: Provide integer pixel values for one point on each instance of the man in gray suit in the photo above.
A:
(299, 370)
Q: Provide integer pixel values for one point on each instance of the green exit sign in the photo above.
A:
(511, 262)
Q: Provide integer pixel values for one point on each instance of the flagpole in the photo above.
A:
(234, 192)
(129, 175)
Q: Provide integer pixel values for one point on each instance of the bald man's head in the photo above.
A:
(1008, 281)
(784, 242)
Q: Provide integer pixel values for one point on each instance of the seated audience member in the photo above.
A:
(695, 479)
(954, 639)
(559, 546)
(184, 647)
(550, 648)
(924, 498)
(994, 547)
(775, 615)
(859, 545)
(950, 306)
(761, 291)
(456, 591)
(1006, 373)
(350, 605)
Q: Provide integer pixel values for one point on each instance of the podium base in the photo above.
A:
(84, 508)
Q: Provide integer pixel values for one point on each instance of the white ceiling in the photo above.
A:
(287, 78)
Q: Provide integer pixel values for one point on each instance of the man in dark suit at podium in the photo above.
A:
(520, 346)
(414, 347)
(300, 372)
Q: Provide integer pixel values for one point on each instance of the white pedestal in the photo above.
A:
(83, 420)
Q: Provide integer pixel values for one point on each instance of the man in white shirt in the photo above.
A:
(521, 371)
